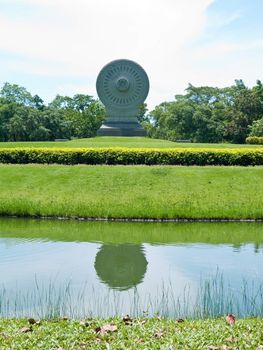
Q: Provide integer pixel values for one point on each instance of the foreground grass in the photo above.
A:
(133, 142)
(139, 333)
(132, 191)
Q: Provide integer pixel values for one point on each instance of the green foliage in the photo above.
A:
(24, 117)
(84, 114)
(207, 114)
(125, 156)
(203, 114)
(254, 140)
(256, 129)
(17, 94)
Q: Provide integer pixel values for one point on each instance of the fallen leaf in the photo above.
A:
(142, 322)
(230, 319)
(82, 347)
(25, 329)
(139, 340)
(158, 334)
(107, 328)
(225, 347)
(232, 339)
(31, 321)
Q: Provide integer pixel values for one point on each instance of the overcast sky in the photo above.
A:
(59, 46)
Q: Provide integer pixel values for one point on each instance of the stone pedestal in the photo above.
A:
(121, 129)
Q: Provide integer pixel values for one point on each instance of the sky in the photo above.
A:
(59, 46)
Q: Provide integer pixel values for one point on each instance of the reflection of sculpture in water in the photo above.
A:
(121, 266)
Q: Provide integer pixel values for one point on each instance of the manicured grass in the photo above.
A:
(134, 142)
(140, 333)
(132, 191)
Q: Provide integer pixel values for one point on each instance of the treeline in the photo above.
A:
(24, 117)
(202, 114)
(208, 114)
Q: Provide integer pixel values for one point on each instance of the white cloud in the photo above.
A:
(227, 48)
(81, 36)
(72, 89)
(224, 19)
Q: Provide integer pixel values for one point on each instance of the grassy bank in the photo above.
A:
(138, 333)
(133, 142)
(132, 191)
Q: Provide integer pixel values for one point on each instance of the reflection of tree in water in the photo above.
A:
(121, 266)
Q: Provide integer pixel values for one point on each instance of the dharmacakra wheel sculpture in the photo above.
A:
(122, 86)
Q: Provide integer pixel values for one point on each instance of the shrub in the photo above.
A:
(255, 140)
(133, 156)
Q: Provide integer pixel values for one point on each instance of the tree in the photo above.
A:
(209, 114)
(78, 102)
(38, 102)
(16, 94)
(82, 112)
(247, 108)
(256, 129)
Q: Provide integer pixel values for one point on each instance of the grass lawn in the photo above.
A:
(132, 191)
(138, 334)
(134, 142)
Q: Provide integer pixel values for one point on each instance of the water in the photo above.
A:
(78, 269)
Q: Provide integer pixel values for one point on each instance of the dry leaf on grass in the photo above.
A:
(232, 339)
(225, 347)
(139, 340)
(25, 329)
(107, 328)
(142, 322)
(158, 334)
(230, 319)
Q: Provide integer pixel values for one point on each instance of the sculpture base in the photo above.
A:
(121, 129)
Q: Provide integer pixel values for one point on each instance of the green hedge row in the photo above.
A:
(255, 140)
(113, 156)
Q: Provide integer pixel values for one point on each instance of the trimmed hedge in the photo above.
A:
(133, 156)
(255, 140)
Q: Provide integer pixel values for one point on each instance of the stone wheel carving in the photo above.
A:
(122, 84)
